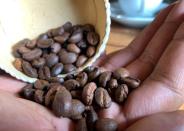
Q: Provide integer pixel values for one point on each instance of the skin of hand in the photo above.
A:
(155, 56)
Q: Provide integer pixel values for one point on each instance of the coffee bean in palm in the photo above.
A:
(17, 63)
(90, 51)
(121, 93)
(106, 124)
(67, 57)
(23, 50)
(58, 31)
(57, 69)
(71, 84)
(121, 73)
(81, 60)
(88, 93)
(69, 68)
(81, 125)
(132, 82)
(29, 70)
(62, 103)
(91, 118)
(39, 96)
(55, 48)
(102, 98)
(41, 74)
(67, 26)
(56, 80)
(47, 73)
(76, 94)
(37, 63)
(41, 84)
(63, 38)
(51, 60)
(82, 78)
(104, 78)
(77, 109)
(73, 48)
(28, 92)
(76, 37)
(93, 38)
(44, 43)
(82, 44)
(94, 74)
(33, 54)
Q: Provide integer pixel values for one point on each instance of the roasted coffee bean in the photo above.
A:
(90, 51)
(106, 124)
(82, 44)
(57, 69)
(69, 68)
(81, 60)
(49, 97)
(113, 83)
(61, 39)
(39, 96)
(47, 73)
(88, 28)
(41, 84)
(77, 109)
(17, 63)
(94, 74)
(23, 50)
(121, 93)
(67, 57)
(57, 32)
(71, 84)
(81, 125)
(67, 26)
(41, 74)
(43, 36)
(62, 103)
(44, 43)
(28, 92)
(132, 82)
(31, 44)
(104, 78)
(91, 118)
(73, 48)
(55, 48)
(31, 55)
(88, 93)
(29, 70)
(76, 28)
(51, 60)
(76, 37)
(37, 63)
(121, 73)
(82, 78)
(102, 98)
(93, 38)
(57, 80)
(76, 94)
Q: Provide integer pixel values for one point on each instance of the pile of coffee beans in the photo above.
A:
(79, 97)
(58, 51)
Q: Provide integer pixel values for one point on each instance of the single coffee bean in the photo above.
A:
(51, 60)
(82, 44)
(29, 70)
(81, 125)
(76, 37)
(47, 73)
(91, 118)
(77, 109)
(81, 60)
(121, 73)
(94, 74)
(73, 48)
(61, 39)
(28, 92)
(69, 68)
(106, 124)
(67, 57)
(90, 51)
(57, 32)
(23, 50)
(67, 26)
(39, 96)
(56, 80)
(113, 83)
(102, 98)
(88, 93)
(71, 84)
(55, 48)
(132, 82)
(17, 63)
(121, 93)
(44, 43)
(76, 94)
(62, 103)
(82, 78)
(41, 74)
(49, 97)
(37, 63)
(104, 78)
(88, 28)
(31, 44)
(31, 55)
(41, 84)
(93, 38)
(57, 69)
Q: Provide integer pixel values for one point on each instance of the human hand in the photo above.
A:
(156, 57)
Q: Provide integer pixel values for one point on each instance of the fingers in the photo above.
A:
(127, 55)
(173, 121)
(144, 65)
